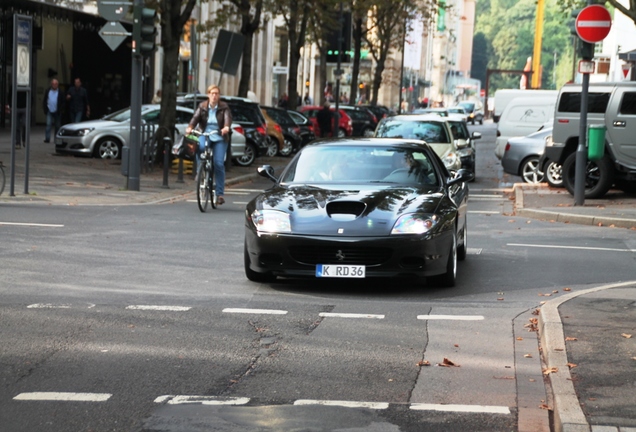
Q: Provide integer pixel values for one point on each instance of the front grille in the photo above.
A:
(65, 132)
(340, 255)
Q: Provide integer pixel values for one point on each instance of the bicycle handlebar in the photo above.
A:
(199, 133)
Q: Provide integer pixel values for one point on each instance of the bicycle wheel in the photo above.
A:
(211, 189)
(203, 193)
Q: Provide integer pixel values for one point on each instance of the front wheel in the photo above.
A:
(203, 193)
(287, 149)
(554, 174)
(108, 148)
(599, 176)
(448, 279)
(251, 274)
(272, 146)
(530, 172)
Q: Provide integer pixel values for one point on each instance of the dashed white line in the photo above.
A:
(490, 409)
(483, 212)
(63, 397)
(451, 317)
(48, 306)
(32, 224)
(255, 311)
(570, 247)
(159, 308)
(202, 400)
(346, 404)
(349, 315)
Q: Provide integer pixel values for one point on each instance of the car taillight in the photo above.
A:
(375, 119)
(262, 129)
(239, 129)
(507, 146)
(297, 130)
(278, 128)
(311, 128)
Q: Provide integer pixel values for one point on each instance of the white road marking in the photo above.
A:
(346, 404)
(571, 247)
(461, 408)
(245, 190)
(32, 224)
(203, 400)
(451, 317)
(486, 197)
(234, 192)
(483, 212)
(48, 306)
(64, 397)
(239, 202)
(473, 251)
(349, 315)
(159, 308)
(256, 311)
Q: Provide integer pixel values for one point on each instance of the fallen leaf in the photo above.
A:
(536, 312)
(528, 222)
(511, 221)
(548, 371)
(519, 338)
(542, 303)
(423, 363)
(570, 338)
(500, 298)
(600, 224)
(532, 380)
(544, 406)
(567, 289)
(447, 363)
(540, 294)
(456, 345)
(571, 365)
(527, 355)
(592, 399)
(626, 336)
(555, 291)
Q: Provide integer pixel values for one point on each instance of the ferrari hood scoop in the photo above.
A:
(345, 210)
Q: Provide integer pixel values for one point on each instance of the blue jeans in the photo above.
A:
(76, 117)
(219, 148)
(52, 120)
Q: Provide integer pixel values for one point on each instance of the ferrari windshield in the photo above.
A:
(362, 165)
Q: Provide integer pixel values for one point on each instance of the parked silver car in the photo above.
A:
(521, 155)
(104, 138)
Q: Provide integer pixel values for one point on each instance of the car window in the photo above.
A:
(183, 117)
(628, 104)
(119, 116)
(279, 116)
(299, 118)
(570, 102)
(151, 117)
(360, 165)
(357, 115)
(459, 129)
(426, 130)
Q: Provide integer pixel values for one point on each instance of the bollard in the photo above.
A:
(167, 148)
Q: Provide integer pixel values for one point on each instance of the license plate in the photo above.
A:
(340, 271)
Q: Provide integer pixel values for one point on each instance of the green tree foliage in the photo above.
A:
(504, 31)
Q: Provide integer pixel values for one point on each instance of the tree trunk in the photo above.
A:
(246, 66)
(322, 71)
(357, 48)
(377, 77)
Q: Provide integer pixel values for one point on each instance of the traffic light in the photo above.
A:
(144, 30)
(361, 86)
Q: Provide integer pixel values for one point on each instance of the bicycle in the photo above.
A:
(2, 179)
(205, 174)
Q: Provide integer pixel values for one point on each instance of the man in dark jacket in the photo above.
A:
(77, 98)
(214, 116)
(52, 105)
(324, 118)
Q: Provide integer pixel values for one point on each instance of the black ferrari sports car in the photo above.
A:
(359, 208)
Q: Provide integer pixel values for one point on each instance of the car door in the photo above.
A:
(620, 121)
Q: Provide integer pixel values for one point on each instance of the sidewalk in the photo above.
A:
(70, 180)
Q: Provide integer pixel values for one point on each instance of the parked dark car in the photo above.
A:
(307, 133)
(291, 131)
(380, 111)
(363, 121)
(345, 127)
(359, 208)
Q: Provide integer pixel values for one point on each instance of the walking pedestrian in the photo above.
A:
(324, 118)
(52, 104)
(77, 98)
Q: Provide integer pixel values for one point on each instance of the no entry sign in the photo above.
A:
(593, 23)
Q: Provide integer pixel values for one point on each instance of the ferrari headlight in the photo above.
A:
(415, 224)
(271, 221)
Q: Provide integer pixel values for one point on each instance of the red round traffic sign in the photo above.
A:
(593, 23)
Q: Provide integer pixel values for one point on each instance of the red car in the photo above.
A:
(345, 127)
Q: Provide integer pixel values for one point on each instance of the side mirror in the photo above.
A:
(462, 175)
(267, 171)
(476, 135)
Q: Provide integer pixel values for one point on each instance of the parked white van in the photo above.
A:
(521, 117)
(504, 96)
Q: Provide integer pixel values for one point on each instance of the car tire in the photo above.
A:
(367, 133)
(462, 249)
(341, 133)
(272, 147)
(108, 148)
(287, 150)
(249, 156)
(447, 280)
(529, 170)
(251, 274)
(599, 176)
(553, 173)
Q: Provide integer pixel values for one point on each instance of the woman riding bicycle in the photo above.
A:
(214, 115)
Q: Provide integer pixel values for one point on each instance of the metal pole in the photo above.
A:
(336, 119)
(581, 154)
(167, 146)
(135, 116)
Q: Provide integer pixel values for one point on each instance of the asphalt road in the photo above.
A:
(139, 318)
